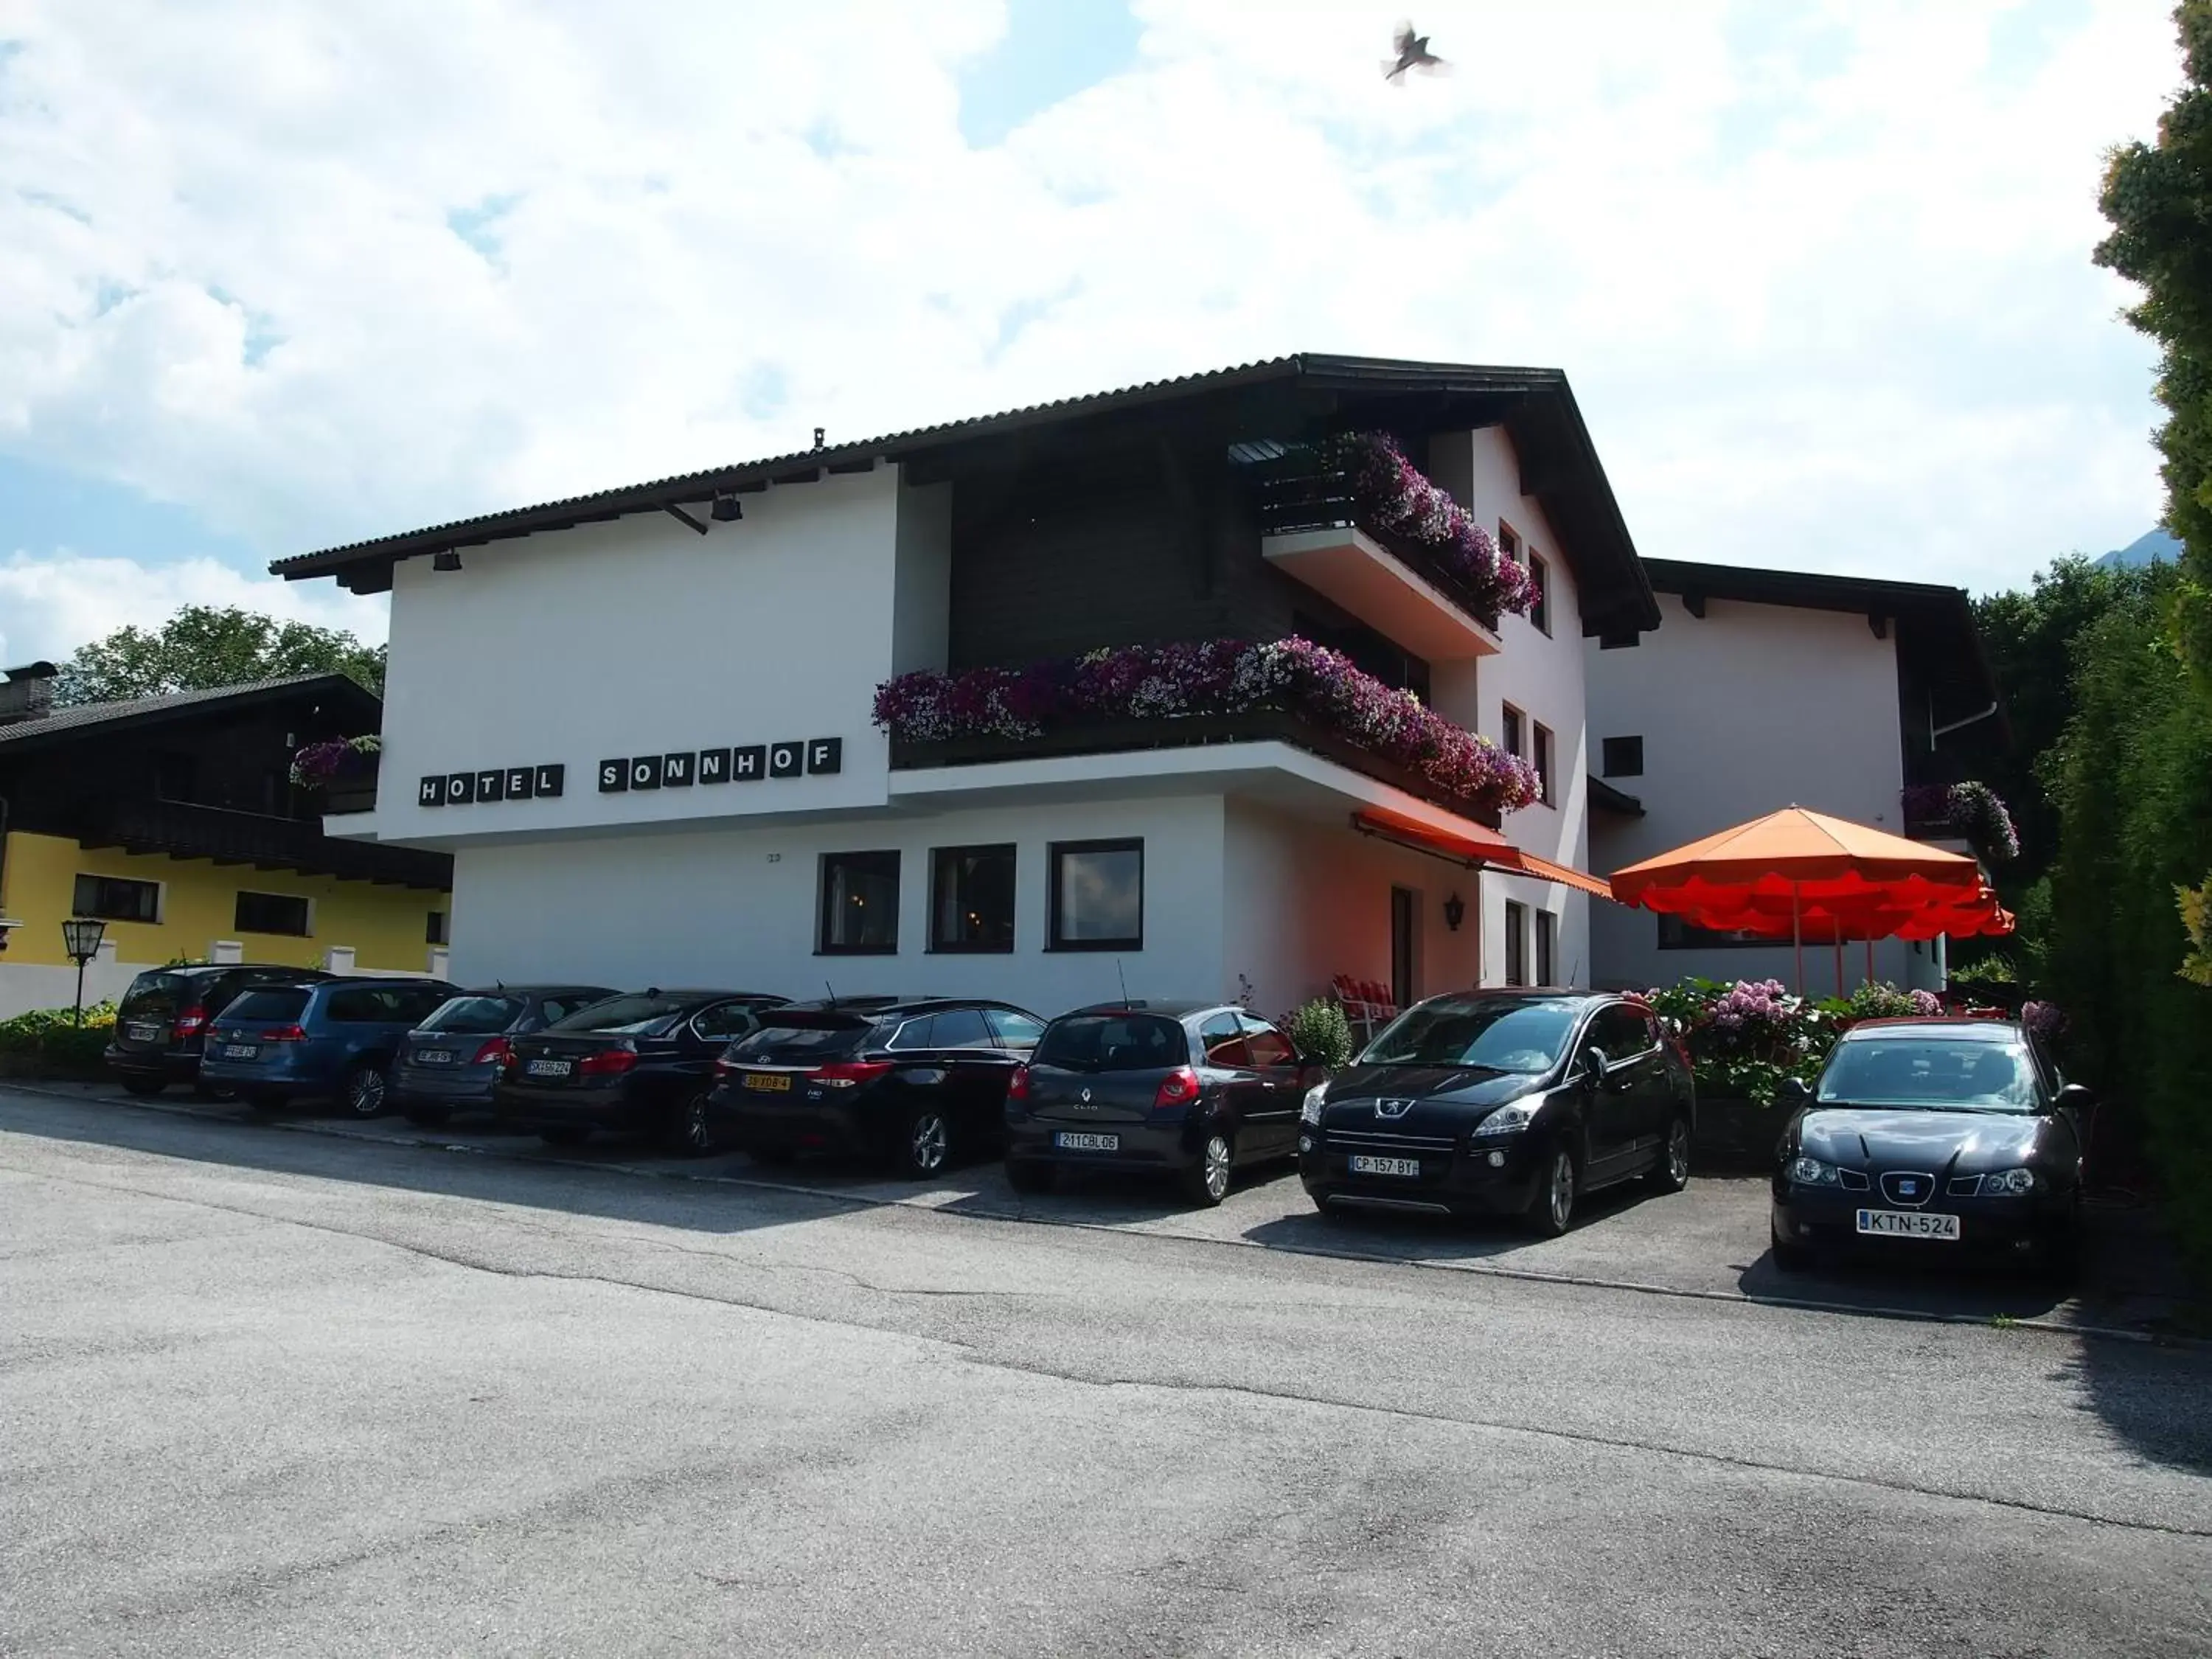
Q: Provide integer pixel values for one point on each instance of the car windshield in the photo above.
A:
(154, 996)
(636, 1015)
(1497, 1036)
(803, 1039)
(1113, 1042)
(474, 1016)
(1929, 1074)
(286, 1005)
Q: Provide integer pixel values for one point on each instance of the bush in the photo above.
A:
(51, 1036)
(1321, 1032)
(1745, 1038)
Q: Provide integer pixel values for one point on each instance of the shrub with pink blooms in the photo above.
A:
(1744, 1037)
(1209, 677)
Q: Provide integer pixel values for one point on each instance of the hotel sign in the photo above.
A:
(501, 783)
(747, 764)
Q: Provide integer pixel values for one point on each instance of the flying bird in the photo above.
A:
(1412, 53)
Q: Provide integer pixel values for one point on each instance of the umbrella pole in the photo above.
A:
(1869, 972)
(1798, 938)
(1839, 960)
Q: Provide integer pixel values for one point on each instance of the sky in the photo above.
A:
(276, 275)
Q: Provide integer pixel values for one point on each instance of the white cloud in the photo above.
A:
(50, 604)
(1820, 274)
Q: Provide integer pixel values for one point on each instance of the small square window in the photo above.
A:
(1542, 761)
(971, 899)
(1623, 757)
(1513, 731)
(1509, 541)
(859, 904)
(440, 929)
(271, 913)
(1098, 896)
(1540, 576)
(1517, 942)
(113, 898)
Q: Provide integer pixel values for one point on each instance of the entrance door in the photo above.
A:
(1402, 947)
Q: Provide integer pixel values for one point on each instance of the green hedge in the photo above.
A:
(52, 1035)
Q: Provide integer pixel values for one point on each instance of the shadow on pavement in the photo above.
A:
(1414, 1236)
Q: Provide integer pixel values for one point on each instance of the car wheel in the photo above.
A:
(1025, 1176)
(144, 1087)
(925, 1146)
(691, 1132)
(565, 1134)
(1787, 1258)
(1552, 1208)
(362, 1091)
(1207, 1182)
(427, 1117)
(1673, 1171)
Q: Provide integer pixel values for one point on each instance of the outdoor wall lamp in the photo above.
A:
(1454, 913)
(8, 924)
(81, 937)
(727, 509)
(446, 561)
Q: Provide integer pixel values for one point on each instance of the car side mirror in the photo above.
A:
(1793, 1091)
(2075, 1098)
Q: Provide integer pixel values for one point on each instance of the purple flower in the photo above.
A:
(1393, 494)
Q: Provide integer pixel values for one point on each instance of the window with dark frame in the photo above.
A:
(972, 898)
(1542, 762)
(859, 904)
(1621, 757)
(1512, 727)
(439, 929)
(1509, 541)
(1547, 947)
(116, 898)
(1098, 895)
(1675, 934)
(272, 913)
(1540, 577)
(1517, 942)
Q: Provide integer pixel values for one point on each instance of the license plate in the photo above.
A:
(1068, 1141)
(434, 1056)
(144, 1033)
(242, 1050)
(768, 1083)
(550, 1067)
(1362, 1164)
(1908, 1223)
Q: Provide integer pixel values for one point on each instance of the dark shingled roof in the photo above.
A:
(79, 717)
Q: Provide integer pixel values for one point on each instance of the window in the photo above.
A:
(725, 1022)
(1509, 541)
(115, 899)
(1675, 934)
(271, 913)
(1621, 757)
(1543, 763)
(1098, 896)
(859, 904)
(1540, 576)
(271, 1006)
(961, 1028)
(1222, 1039)
(1547, 947)
(440, 929)
(483, 1016)
(1015, 1031)
(1513, 725)
(1112, 1042)
(1517, 942)
(972, 898)
(915, 1033)
(370, 1005)
(1620, 1034)
(1267, 1045)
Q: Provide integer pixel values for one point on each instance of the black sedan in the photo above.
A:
(452, 1060)
(642, 1061)
(917, 1081)
(1502, 1103)
(1192, 1090)
(1936, 1137)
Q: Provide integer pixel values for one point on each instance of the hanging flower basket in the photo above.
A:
(316, 764)
(1975, 810)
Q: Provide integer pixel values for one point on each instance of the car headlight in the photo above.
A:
(1506, 1121)
(2007, 1183)
(1310, 1112)
(1811, 1172)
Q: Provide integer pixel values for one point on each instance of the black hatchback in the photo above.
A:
(161, 1024)
(1502, 1103)
(920, 1082)
(452, 1062)
(1195, 1090)
(642, 1061)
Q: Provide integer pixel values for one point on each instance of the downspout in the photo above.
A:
(1935, 731)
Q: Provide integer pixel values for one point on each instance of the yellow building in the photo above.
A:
(174, 821)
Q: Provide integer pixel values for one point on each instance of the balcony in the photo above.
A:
(1312, 529)
(184, 831)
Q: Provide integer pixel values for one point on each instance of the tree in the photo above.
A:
(202, 648)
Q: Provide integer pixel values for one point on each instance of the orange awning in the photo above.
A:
(1477, 849)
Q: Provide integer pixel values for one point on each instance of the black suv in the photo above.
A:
(916, 1081)
(643, 1060)
(160, 1025)
(452, 1062)
(1191, 1089)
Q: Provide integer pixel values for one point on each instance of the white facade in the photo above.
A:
(1748, 709)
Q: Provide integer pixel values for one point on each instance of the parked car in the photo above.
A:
(641, 1061)
(918, 1081)
(1936, 1136)
(1502, 1103)
(452, 1062)
(1193, 1089)
(335, 1038)
(161, 1024)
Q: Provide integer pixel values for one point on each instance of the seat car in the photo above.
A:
(161, 1024)
(452, 1062)
(334, 1039)
(1188, 1089)
(642, 1061)
(1933, 1136)
(918, 1082)
(1502, 1103)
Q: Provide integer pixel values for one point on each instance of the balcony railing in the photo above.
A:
(185, 831)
